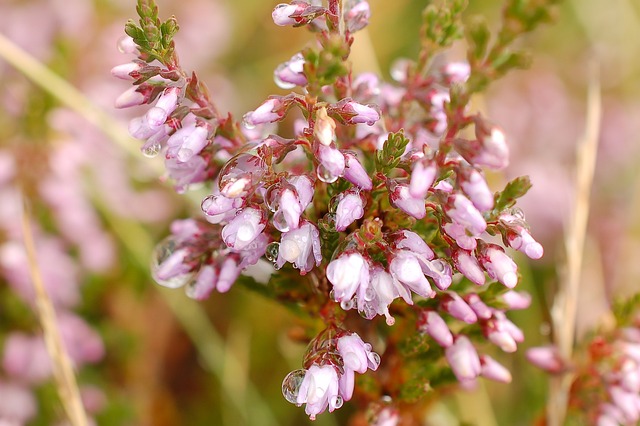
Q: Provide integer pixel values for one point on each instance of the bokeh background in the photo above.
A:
(148, 356)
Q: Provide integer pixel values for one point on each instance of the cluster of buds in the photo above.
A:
(606, 383)
(328, 379)
(372, 202)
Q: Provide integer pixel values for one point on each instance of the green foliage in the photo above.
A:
(626, 310)
(442, 24)
(324, 66)
(153, 37)
(511, 192)
(388, 158)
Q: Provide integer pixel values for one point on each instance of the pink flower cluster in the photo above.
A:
(374, 203)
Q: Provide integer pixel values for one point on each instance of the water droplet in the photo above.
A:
(280, 83)
(206, 203)
(439, 266)
(271, 252)
(375, 358)
(367, 347)
(272, 198)
(347, 304)
(242, 172)
(151, 151)
(168, 276)
(280, 222)
(369, 294)
(291, 385)
(246, 121)
(276, 266)
(184, 154)
(330, 220)
(332, 295)
(125, 44)
(337, 401)
(325, 175)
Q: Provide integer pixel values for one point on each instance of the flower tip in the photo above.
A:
(534, 251)
(510, 279)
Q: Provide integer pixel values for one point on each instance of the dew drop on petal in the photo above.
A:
(280, 222)
(332, 295)
(325, 175)
(291, 385)
(272, 198)
(375, 358)
(162, 252)
(367, 346)
(246, 121)
(346, 304)
(438, 265)
(280, 83)
(369, 294)
(271, 253)
(151, 151)
(337, 401)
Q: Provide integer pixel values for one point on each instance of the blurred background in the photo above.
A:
(148, 356)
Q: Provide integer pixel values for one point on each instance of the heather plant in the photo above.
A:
(371, 202)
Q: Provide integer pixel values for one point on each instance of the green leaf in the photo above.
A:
(625, 310)
(510, 60)
(441, 25)
(388, 158)
(478, 36)
(512, 191)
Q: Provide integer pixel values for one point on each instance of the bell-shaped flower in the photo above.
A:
(401, 198)
(423, 175)
(350, 208)
(439, 270)
(346, 273)
(475, 186)
(493, 370)
(319, 389)
(332, 163)
(406, 268)
(218, 204)
(455, 306)
(520, 239)
(125, 71)
(375, 296)
(324, 128)
(273, 109)
(468, 265)
(459, 234)
(357, 357)
(357, 17)
(229, 271)
(498, 264)
(463, 359)
(188, 141)
(488, 150)
(301, 247)
(244, 228)
(354, 113)
(409, 240)
(479, 307)
(291, 73)
(433, 324)
(463, 212)
(290, 202)
(502, 332)
(186, 173)
(355, 173)
(136, 95)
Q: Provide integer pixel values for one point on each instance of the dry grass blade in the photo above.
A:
(563, 312)
(62, 369)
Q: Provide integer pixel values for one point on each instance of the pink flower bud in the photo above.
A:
(358, 16)
(546, 358)
(354, 113)
(18, 404)
(411, 241)
(503, 333)
(456, 72)
(406, 268)
(301, 247)
(291, 73)
(520, 239)
(243, 229)
(127, 45)
(187, 142)
(489, 150)
(627, 402)
(498, 264)
(493, 370)
(346, 273)
(356, 354)
(229, 273)
(350, 208)
(463, 359)
(422, 177)
(131, 97)
(455, 306)
(516, 300)
(459, 233)
(332, 163)
(432, 324)
(186, 173)
(463, 212)
(324, 128)
(401, 198)
(468, 265)
(268, 112)
(478, 306)
(282, 13)
(475, 186)
(124, 71)
(355, 173)
(290, 209)
(204, 283)
(217, 204)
